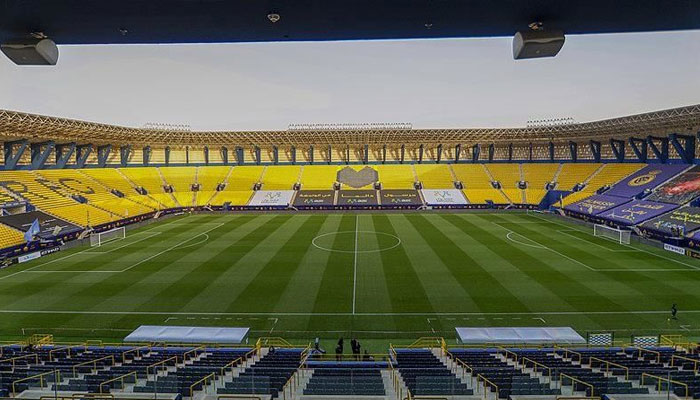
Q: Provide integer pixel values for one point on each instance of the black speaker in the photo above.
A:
(537, 43)
(31, 51)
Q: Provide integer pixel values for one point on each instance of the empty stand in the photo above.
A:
(425, 375)
(477, 184)
(399, 176)
(607, 174)
(537, 176)
(278, 177)
(10, 237)
(435, 176)
(318, 177)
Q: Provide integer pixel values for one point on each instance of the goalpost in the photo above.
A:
(98, 239)
(608, 232)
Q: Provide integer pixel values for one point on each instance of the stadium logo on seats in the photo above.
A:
(644, 179)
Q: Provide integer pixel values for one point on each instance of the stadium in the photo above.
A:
(334, 261)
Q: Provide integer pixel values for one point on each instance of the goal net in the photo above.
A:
(98, 239)
(618, 235)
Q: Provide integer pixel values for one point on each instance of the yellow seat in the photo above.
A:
(435, 176)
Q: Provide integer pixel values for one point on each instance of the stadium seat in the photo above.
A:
(318, 177)
(435, 176)
(508, 175)
(537, 177)
(277, 177)
(10, 237)
(477, 184)
(396, 176)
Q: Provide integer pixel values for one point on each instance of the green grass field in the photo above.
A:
(379, 277)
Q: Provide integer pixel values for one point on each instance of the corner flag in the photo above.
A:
(33, 230)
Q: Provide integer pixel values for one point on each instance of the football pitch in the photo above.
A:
(378, 277)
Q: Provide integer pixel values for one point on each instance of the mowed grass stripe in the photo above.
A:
(488, 293)
(141, 285)
(478, 238)
(624, 290)
(549, 278)
(266, 288)
(443, 288)
(405, 289)
(148, 293)
(60, 290)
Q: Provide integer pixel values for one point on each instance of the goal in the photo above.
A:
(618, 235)
(98, 239)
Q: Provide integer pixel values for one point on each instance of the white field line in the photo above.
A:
(133, 265)
(128, 244)
(169, 248)
(354, 268)
(565, 232)
(550, 249)
(535, 313)
(74, 254)
(522, 243)
(626, 245)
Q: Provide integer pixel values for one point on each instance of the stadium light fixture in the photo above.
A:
(537, 42)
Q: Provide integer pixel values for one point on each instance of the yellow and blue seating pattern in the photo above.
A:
(93, 196)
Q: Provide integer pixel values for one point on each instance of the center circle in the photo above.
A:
(356, 242)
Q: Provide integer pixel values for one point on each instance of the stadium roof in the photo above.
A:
(37, 128)
(189, 21)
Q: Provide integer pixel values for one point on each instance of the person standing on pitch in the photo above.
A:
(674, 311)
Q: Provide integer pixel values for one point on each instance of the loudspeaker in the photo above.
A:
(537, 43)
(31, 51)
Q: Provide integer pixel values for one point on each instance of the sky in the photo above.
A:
(445, 83)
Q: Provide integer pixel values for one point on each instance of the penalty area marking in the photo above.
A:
(537, 246)
(356, 251)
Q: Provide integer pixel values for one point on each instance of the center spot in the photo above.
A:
(356, 241)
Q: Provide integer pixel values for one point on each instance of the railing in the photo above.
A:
(93, 363)
(396, 380)
(567, 352)
(563, 375)
(203, 381)
(578, 398)
(2, 347)
(428, 342)
(696, 363)
(121, 379)
(159, 363)
(193, 351)
(137, 350)
(608, 364)
(526, 361)
(55, 373)
(508, 353)
(670, 381)
(654, 352)
(67, 348)
(484, 382)
(15, 359)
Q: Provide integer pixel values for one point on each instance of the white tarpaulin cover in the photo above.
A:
(519, 335)
(272, 198)
(187, 334)
(443, 197)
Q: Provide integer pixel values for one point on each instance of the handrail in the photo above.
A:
(185, 354)
(65, 348)
(578, 398)
(14, 359)
(657, 353)
(427, 341)
(395, 380)
(537, 364)
(135, 349)
(561, 382)
(231, 364)
(211, 376)
(161, 362)
(608, 364)
(93, 362)
(120, 378)
(485, 381)
(508, 352)
(696, 363)
(660, 378)
(2, 346)
(56, 373)
(567, 351)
